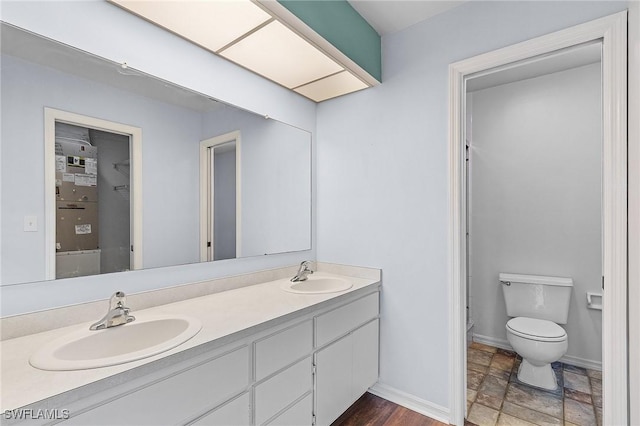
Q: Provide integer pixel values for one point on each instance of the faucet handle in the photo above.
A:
(305, 268)
(117, 314)
(117, 299)
(303, 271)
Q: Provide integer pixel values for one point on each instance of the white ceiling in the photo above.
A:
(390, 16)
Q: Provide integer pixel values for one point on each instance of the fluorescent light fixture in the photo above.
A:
(212, 24)
(252, 37)
(279, 54)
(332, 86)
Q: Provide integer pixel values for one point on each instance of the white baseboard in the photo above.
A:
(582, 362)
(492, 341)
(567, 359)
(411, 402)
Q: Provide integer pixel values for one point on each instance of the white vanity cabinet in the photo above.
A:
(180, 397)
(348, 365)
(301, 413)
(236, 412)
(307, 370)
(284, 375)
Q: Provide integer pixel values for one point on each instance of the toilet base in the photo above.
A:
(538, 376)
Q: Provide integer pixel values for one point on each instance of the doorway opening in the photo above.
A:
(93, 195)
(220, 195)
(534, 199)
(611, 32)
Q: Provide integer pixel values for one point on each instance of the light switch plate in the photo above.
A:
(30, 224)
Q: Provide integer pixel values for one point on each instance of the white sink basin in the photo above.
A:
(142, 338)
(317, 285)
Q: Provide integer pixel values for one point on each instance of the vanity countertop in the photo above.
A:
(223, 315)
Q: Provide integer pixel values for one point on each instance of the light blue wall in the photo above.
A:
(105, 30)
(382, 176)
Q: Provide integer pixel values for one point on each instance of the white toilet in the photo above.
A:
(538, 304)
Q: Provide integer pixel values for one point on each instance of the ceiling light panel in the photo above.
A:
(281, 55)
(332, 86)
(212, 24)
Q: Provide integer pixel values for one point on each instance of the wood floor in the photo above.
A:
(371, 410)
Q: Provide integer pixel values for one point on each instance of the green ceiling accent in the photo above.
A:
(339, 23)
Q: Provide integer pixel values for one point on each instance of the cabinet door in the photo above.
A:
(344, 371)
(333, 380)
(276, 393)
(234, 413)
(365, 358)
(298, 414)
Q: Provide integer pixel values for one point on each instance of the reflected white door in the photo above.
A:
(220, 197)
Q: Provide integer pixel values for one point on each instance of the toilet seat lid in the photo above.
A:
(536, 329)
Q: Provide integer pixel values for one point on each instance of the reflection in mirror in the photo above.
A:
(93, 190)
(223, 202)
(92, 201)
(219, 223)
(269, 211)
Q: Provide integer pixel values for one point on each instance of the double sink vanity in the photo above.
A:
(275, 352)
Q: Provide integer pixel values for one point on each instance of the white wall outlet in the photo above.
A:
(30, 224)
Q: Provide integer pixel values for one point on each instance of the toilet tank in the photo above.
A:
(537, 296)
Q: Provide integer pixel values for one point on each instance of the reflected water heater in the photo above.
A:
(77, 243)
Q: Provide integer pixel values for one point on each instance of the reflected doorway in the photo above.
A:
(93, 196)
(220, 197)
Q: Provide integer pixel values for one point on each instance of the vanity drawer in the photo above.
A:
(282, 389)
(283, 348)
(233, 413)
(298, 414)
(178, 398)
(342, 320)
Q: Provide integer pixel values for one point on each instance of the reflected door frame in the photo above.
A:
(206, 193)
(51, 116)
(612, 32)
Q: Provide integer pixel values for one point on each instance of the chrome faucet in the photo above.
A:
(118, 313)
(303, 272)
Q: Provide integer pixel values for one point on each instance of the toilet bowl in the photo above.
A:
(536, 305)
(539, 343)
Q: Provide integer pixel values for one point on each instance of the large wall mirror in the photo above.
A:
(107, 169)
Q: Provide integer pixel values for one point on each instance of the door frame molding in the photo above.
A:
(612, 32)
(51, 116)
(205, 179)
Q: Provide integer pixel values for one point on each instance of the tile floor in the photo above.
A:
(496, 397)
